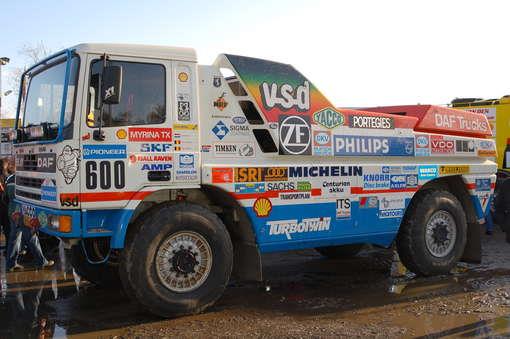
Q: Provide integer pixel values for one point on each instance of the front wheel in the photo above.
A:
(432, 235)
(179, 260)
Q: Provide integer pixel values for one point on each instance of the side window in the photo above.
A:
(143, 99)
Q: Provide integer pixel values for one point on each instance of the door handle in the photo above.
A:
(158, 175)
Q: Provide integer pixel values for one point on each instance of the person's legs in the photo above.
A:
(14, 246)
(35, 247)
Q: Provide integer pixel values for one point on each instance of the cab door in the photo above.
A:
(134, 146)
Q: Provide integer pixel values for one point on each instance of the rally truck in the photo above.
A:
(168, 178)
(497, 112)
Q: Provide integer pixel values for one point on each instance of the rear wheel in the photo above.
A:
(179, 260)
(338, 252)
(432, 235)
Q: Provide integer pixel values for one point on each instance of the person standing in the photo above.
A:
(4, 216)
(22, 234)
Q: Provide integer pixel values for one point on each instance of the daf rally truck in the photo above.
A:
(166, 176)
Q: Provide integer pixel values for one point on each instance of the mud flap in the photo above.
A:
(473, 250)
(247, 262)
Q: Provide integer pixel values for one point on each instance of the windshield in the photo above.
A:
(43, 100)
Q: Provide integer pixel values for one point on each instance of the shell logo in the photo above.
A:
(183, 77)
(121, 134)
(262, 207)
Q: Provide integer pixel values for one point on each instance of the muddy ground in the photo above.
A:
(306, 296)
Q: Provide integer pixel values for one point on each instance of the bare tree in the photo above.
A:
(31, 54)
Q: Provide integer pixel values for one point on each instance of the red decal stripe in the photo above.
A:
(472, 185)
(360, 190)
(272, 194)
(111, 196)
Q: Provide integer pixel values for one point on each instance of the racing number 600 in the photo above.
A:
(105, 175)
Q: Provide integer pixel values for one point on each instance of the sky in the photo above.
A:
(359, 53)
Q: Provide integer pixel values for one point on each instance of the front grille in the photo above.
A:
(29, 182)
(29, 163)
(28, 195)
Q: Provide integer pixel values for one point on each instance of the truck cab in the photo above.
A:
(166, 176)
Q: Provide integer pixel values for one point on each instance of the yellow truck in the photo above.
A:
(497, 112)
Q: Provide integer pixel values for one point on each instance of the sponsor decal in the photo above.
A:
(462, 121)
(376, 181)
(292, 226)
(104, 152)
(295, 196)
(322, 143)
(281, 186)
(205, 148)
(391, 203)
(398, 181)
(257, 174)
(146, 134)
(186, 127)
(285, 96)
(343, 208)
(453, 169)
(48, 190)
(69, 200)
(410, 169)
(216, 81)
(325, 171)
(304, 186)
(411, 180)
(427, 172)
(335, 188)
(121, 134)
(68, 162)
(222, 175)
(186, 168)
(484, 201)
(43, 218)
(220, 103)
(329, 118)
(183, 110)
(239, 129)
(465, 146)
(385, 214)
(258, 187)
(486, 148)
(156, 167)
(239, 120)
(183, 77)
(482, 185)
(295, 135)
(422, 145)
(185, 141)
(134, 158)
(359, 121)
(262, 207)
(441, 145)
(153, 148)
(220, 130)
(367, 145)
(186, 160)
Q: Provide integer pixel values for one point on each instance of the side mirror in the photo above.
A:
(111, 85)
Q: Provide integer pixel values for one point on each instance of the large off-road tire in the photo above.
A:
(178, 260)
(432, 235)
(104, 274)
(338, 252)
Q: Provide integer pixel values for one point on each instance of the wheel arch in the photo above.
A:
(456, 185)
(247, 259)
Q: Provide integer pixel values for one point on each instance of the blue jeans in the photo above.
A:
(21, 235)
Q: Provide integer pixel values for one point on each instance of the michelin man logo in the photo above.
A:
(68, 163)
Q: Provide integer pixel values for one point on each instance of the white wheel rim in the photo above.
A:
(183, 261)
(440, 234)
